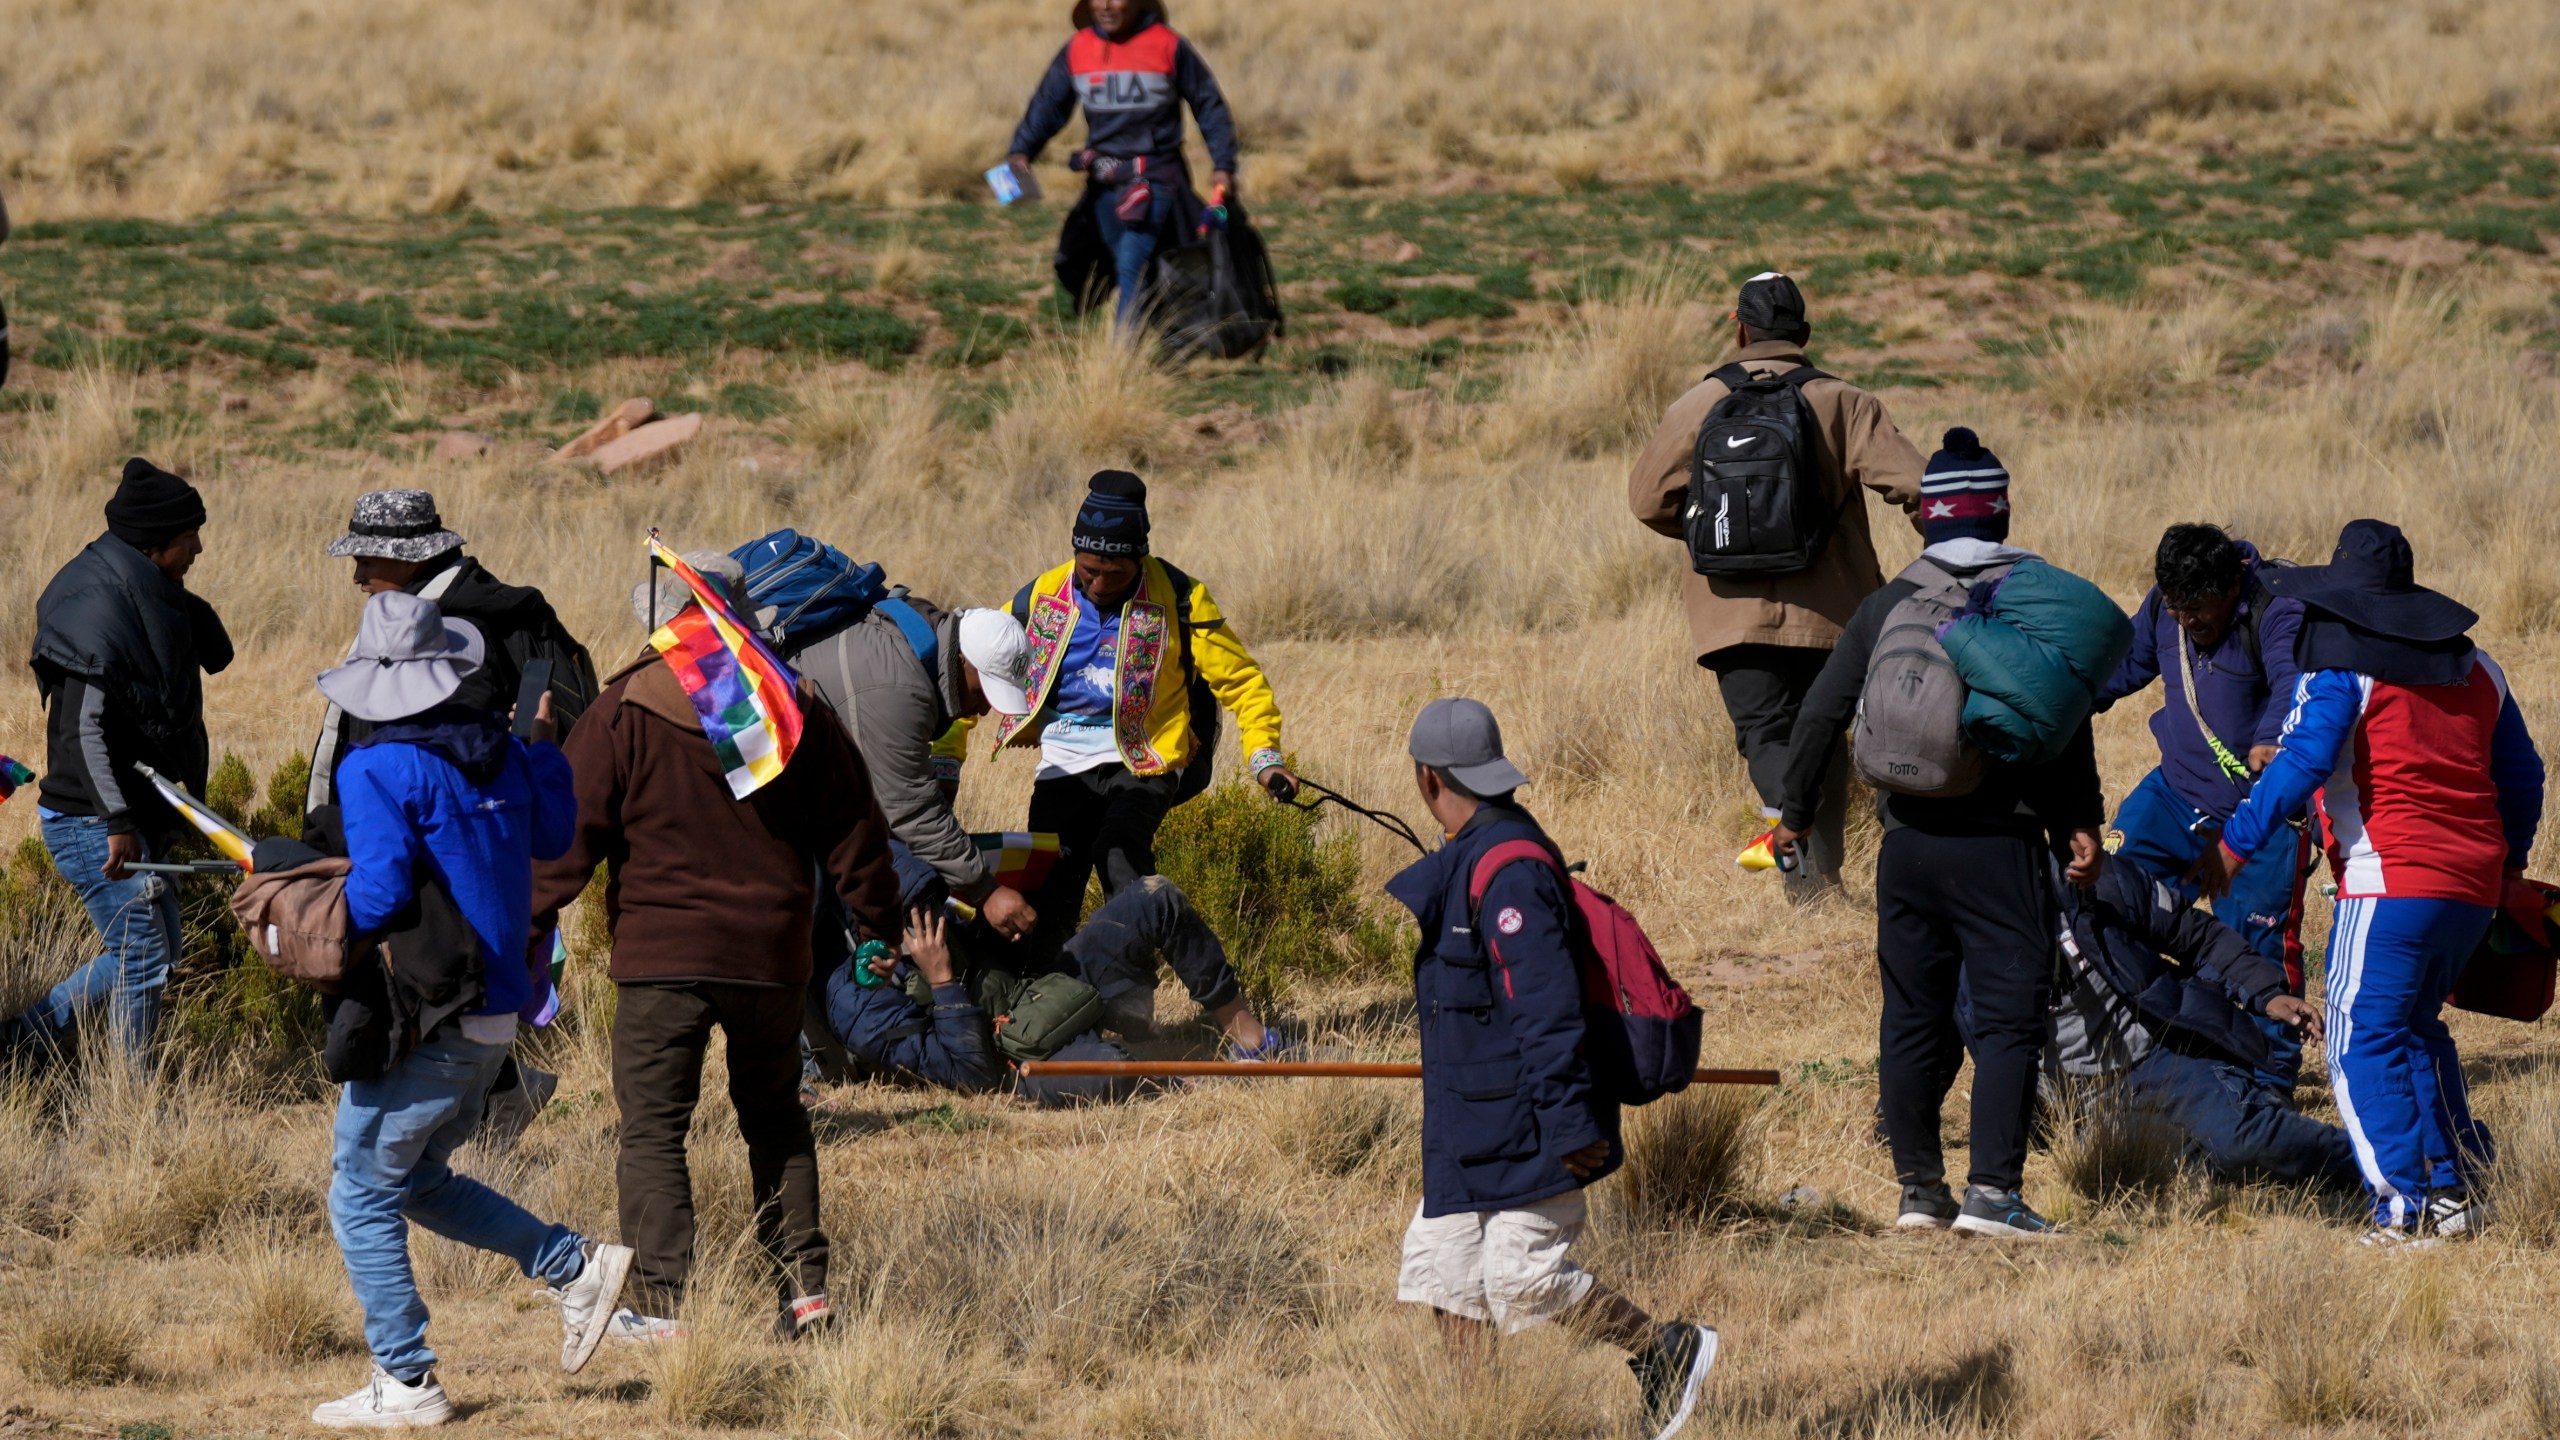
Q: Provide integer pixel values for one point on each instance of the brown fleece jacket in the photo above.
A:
(700, 885)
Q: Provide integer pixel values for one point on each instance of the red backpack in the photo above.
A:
(1641, 1029)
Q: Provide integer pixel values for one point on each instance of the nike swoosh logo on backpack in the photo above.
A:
(1736, 442)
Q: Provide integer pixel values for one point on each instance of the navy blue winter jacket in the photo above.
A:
(2245, 696)
(1506, 1092)
(1132, 90)
(2192, 979)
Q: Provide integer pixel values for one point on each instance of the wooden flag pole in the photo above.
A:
(1304, 1069)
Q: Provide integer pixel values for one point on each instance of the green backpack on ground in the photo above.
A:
(1034, 1018)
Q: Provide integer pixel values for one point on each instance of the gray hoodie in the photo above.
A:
(874, 681)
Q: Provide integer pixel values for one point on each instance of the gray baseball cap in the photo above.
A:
(1461, 739)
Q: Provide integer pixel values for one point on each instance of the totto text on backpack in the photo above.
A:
(1909, 736)
(1641, 1031)
(1756, 505)
(811, 586)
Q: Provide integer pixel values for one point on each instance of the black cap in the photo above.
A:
(152, 507)
(1771, 304)
(1113, 518)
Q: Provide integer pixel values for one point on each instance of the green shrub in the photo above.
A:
(1284, 898)
(1364, 295)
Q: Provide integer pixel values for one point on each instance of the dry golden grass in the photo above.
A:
(187, 106)
(1220, 1260)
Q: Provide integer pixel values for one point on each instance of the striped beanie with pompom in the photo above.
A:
(1965, 494)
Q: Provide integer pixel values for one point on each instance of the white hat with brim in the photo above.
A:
(993, 643)
(407, 659)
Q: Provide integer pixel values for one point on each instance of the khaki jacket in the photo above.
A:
(1858, 443)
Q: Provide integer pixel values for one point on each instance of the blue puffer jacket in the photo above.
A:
(452, 793)
(1506, 1094)
(2033, 648)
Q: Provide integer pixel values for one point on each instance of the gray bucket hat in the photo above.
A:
(1460, 739)
(721, 569)
(395, 525)
(407, 658)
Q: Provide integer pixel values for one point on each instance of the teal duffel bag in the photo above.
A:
(2032, 660)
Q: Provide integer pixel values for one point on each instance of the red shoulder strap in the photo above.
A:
(1500, 855)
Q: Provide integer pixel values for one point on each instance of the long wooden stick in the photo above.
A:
(1307, 1069)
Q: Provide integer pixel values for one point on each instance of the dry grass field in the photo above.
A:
(2273, 266)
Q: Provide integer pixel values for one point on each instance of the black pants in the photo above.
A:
(1763, 688)
(1979, 907)
(659, 1035)
(1106, 822)
(1116, 951)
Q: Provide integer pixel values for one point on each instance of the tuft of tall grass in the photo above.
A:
(290, 1302)
(1690, 1156)
(2108, 1150)
(69, 1335)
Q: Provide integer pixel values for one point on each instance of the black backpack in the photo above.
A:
(1755, 490)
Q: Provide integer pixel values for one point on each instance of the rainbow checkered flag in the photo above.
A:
(1021, 859)
(219, 832)
(747, 698)
(12, 775)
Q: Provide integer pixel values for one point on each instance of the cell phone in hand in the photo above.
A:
(536, 684)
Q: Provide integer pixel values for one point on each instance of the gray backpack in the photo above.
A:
(1910, 729)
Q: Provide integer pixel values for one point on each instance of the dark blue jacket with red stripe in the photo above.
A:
(1132, 90)
(1506, 1093)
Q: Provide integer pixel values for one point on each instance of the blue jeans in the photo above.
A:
(395, 1139)
(2235, 1126)
(137, 917)
(2163, 834)
(1132, 249)
(2392, 1064)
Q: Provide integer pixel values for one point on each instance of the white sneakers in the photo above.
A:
(586, 1314)
(586, 1303)
(386, 1404)
(633, 1328)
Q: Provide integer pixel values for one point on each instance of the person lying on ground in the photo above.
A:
(398, 541)
(2430, 794)
(2155, 1015)
(2223, 644)
(710, 900)
(1960, 883)
(1513, 1129)
(121, 651)
(436, 789)
(932, 1017)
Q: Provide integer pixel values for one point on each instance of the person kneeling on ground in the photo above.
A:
(932, 1017)
(1513, 1130)
(444, 789)
(2158, 1000)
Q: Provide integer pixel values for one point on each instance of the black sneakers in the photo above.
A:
(1672, 1371)
(2001, 1214)
(1927, 1207)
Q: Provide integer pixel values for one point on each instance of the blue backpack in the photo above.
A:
(812, 588)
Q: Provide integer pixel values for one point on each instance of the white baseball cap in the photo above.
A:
(992, 641)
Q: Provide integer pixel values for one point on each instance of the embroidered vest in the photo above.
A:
(1145, 626)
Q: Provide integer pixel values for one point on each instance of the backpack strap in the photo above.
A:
(1492, 861)
(920, 635)
(1736, 375)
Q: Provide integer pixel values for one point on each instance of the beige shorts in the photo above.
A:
(1511, 1267)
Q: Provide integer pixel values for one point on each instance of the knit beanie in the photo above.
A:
(152, 507)
(1113, 518)
(1965, 494)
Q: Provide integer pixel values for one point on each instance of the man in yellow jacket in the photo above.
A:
(1130, 663)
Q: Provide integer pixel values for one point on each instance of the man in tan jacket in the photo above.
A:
(1766, 636)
